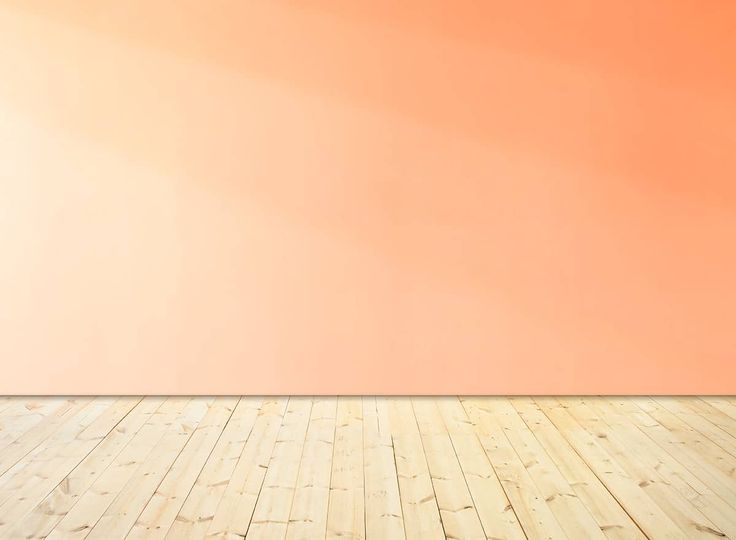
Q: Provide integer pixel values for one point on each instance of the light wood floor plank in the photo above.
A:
(367, 468)
(163, 507)
(496, 513)
(535, 516)
(647, 514)
(644, 449)
(28, 441)
(383, 514)
(22, 414)
(611, 518)
(59, 455)
(271, 514)
(198, 510)
(721, 404)
(674, 503)
(667, 440)
(574, 518)
(713, 465)
(699, 419)
(418, 501)
(308, 516)
(122, 513)
(46, 515)
(92, 504)
(459, 516)
(714, 415)
(28, 471)
(346, 511)
(233, 515)
(24, 471)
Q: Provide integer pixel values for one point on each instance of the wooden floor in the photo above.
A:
(352, 467)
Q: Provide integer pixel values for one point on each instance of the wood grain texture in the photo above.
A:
(368, 467)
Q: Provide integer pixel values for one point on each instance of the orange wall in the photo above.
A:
(272, 196)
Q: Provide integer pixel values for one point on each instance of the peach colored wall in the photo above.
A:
(274, 196)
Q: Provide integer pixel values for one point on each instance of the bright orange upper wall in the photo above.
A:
(323, 196)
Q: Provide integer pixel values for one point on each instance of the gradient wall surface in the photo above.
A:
(367, 197)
